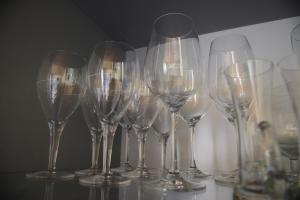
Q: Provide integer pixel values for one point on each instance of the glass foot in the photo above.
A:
(104, 180)
(242, 194)
(124, 167)
(47, 175)
(227, 178)
(193, 173)
(175, 182)
(87, 172)
(139, 172)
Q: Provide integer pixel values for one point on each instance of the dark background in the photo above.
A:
(32, 28)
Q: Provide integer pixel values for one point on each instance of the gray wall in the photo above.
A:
(29, 30)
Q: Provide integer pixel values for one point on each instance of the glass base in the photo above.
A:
(47, 175)
(124, 167)
(227, 178)
(140, 172)
(193, 173)
(104, 180)
(242, 194)
(87, 172)
(174, 182)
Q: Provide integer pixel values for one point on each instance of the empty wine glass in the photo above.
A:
(290, 70)
(192, 112)
(295, 38)
(90, 116)
(124, 163)
(162, 126)
(284, 122)
(141, 113)
(113, 72)
(261, 172)
(172, 69)
(60, 86)
(225, 51)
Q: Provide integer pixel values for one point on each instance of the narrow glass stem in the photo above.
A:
(163, 153)
(96, 141)
(49, 191)
(174, 163)
(125, 132)
(108, 137)
(239, 124)
(141, 144)
(192, 159)
(56, 129)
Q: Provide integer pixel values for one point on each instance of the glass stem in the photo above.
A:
(96, 141)
(92, 193)
(108, 137)
(192, 159)
(141, 144)
(125, 132)
(49, 191)
(163, 153)
(56, 129)
(174, 163)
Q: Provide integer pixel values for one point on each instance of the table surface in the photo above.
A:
(16, 186)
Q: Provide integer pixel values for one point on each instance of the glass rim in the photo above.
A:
(293, 32)
(117, 43)
(175, 14)
(65, 52)
(282, 66)
(270, 67)
(212, 48)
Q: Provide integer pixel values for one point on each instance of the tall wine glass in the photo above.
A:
(124, 163)
(284, 122)
(290, 70)
(225, 51)
(90, 116)
(60, 87)
(113, 72)
(172, 69)
(142, 113)
(295, 38)
(261, 172)
(162, 126)
(192, 112)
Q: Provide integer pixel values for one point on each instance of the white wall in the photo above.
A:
(269, 40)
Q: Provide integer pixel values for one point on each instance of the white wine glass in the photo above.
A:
(225, 51)
(192, 112)
(172, 69)
(142, 113)
(113, 72)
(90, 116)
(60, 87)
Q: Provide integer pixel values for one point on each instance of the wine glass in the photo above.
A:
(261, 173)
(162, 126)
(192, 112)
(290, 70)
(141, 113)
(172, 71)
(124, 164)
(295, 38)
(113, 72)
(60, 86)
(225, 51)
(285, 124)
(90, 116)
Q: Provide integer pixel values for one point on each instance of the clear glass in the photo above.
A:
(141, 113)
(261, 171)
(60, 87)
(285, 124)
(225, 51)
(90, 116)
(162, 126)
(295, 38)
(172, 71)
(113, 72)
(125, 166)
(192, 112)
(290, 70)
